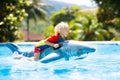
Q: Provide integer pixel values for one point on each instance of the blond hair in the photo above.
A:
(61, 26)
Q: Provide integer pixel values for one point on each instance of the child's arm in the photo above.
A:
(52, 44)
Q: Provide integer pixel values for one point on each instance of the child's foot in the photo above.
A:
(16, 55)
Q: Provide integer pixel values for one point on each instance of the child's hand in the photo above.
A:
(56, 45)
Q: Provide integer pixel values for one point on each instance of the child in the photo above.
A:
(61, 30)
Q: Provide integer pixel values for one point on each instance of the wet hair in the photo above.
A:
(61, 26)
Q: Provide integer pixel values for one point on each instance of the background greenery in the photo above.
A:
(98, 24)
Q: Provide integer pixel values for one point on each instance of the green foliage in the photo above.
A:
(36, 12)
(108, 9)
(109, 15)
(84, 26)
(65, 14)
(89, 28)
(39, 28)
(116, 36)
(49, 31)
(114, 29)
(12, 13)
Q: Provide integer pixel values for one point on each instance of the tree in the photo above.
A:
(108, 9)
(88, 29)
(12, 13)
(65, 14)
(84, 26)
(35, 11)
(109, 15)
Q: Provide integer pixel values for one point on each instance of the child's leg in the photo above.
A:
(36, 56)
(16, 55)
(37, 52)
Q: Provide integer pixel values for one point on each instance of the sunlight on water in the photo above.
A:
(104, 64)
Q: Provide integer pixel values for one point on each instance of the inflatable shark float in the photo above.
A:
(68, 49)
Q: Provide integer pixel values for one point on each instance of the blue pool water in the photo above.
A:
(104, 64)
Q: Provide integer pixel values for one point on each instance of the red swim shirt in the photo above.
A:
(53, 38)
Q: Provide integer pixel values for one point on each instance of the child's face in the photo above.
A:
(64, 32)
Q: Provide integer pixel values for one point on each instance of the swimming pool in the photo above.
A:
(104, 64)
